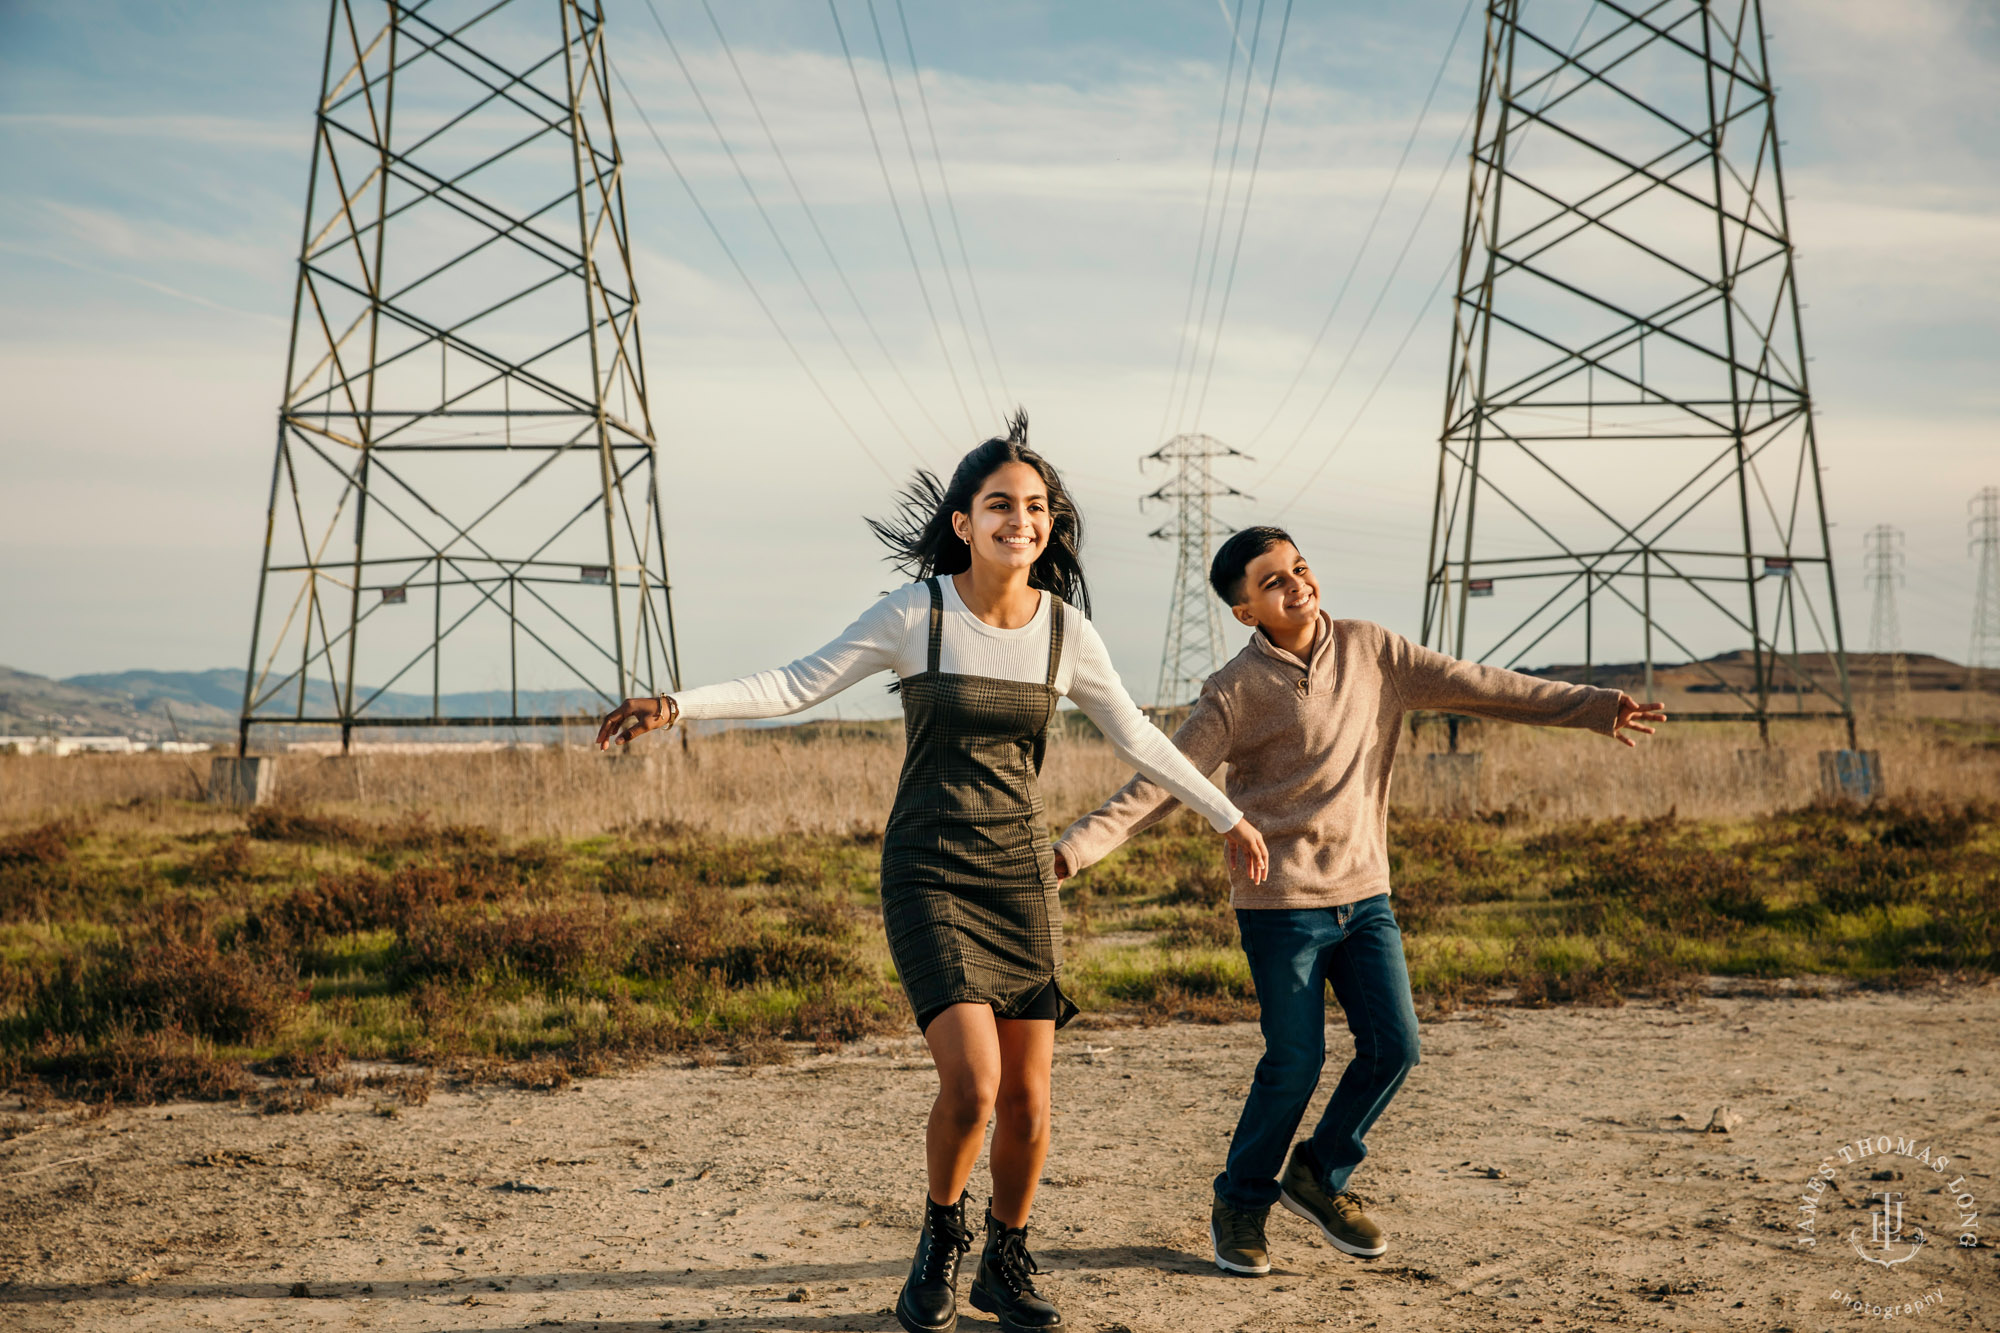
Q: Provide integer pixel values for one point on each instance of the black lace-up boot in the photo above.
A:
(929, 1303)
(1005, 1285)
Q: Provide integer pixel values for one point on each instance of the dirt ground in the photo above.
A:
(1541, 1168)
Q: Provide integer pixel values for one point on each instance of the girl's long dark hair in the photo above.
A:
(920, 537)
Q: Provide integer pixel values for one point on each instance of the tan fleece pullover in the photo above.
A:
(1310, 745)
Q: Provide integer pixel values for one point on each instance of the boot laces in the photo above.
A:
(1016, 1265)
(1349, 1201)
(948, 1242)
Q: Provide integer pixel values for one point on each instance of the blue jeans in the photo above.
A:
(1293, 954)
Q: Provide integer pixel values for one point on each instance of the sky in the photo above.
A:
(157, 157)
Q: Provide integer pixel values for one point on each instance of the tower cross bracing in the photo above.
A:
(1628, 465)
(464, 501)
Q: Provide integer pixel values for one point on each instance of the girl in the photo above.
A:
(983, 644)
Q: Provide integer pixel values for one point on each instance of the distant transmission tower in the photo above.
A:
(1984, 654)
(1882, 566)
(465, 457)
(1194, 618)
(1627, 416)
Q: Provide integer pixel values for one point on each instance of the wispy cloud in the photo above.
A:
(138, 280)
(218, 130)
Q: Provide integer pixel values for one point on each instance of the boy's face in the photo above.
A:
(1279, 591)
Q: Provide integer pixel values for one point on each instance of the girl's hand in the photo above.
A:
(1246, 842)
(1063, 871)
(1631, 714)
(636, 717)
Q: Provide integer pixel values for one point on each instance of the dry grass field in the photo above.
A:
(535, 915)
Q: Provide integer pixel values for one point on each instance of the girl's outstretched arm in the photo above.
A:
(867, 646)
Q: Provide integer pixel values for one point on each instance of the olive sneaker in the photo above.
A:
(1239, 1239)
(1339, 1217)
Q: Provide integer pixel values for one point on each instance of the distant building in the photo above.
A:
(65, 745)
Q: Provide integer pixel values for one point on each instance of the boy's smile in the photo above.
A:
(1281, 597)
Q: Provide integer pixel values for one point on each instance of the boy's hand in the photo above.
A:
(1245, 842)
(1632, 715)
(1063, 871)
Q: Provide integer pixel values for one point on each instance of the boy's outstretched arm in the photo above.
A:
(1428, 679)
(1140, 803)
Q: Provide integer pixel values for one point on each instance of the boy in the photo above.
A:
(1307, 718)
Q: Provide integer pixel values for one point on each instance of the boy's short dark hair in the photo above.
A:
(1225, 574)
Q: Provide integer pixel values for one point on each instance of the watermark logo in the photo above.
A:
(1890, 1197)
(1885, 1231)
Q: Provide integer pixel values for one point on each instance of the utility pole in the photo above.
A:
(1194, 646)
(463, 502)
(1628, 456)
(1984, 530)
(1882, 566)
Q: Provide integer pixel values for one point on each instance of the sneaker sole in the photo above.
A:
(1228, 1267)
(1293, 1206)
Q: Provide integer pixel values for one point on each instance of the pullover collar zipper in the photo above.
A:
(1317, 656)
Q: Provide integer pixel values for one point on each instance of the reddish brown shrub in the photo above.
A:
(46, 845)
(555, 946)
(785, 959)
(143, 1067)
(341, 904)
(278, 823)
(169, 982)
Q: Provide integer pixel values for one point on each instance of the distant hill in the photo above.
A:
(204, 705)
(1867, 672)
(221, 688)
(33, 705)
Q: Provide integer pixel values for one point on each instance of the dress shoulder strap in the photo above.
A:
(934, 654)
(1058, 617)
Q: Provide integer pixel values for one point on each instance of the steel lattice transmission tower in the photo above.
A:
(1984, 527)
(1194, 646)
(1628, 454)
(1882, 564)
(463, 501)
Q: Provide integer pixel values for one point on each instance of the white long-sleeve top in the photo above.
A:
(894, 635)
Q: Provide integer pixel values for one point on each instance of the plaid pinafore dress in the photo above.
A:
(968, 872)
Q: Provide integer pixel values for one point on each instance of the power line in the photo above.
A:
(1207, 201)
(813, 218)
(930, 217)
(772, 227)
(1375, 309)
(1368, 236)
(1380, 380)
(736, 264)
(1451, 159)
(1243, 218)
(902, 227)
(951, 205)
(1228, 186)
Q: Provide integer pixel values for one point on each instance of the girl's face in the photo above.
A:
(1009, 522)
